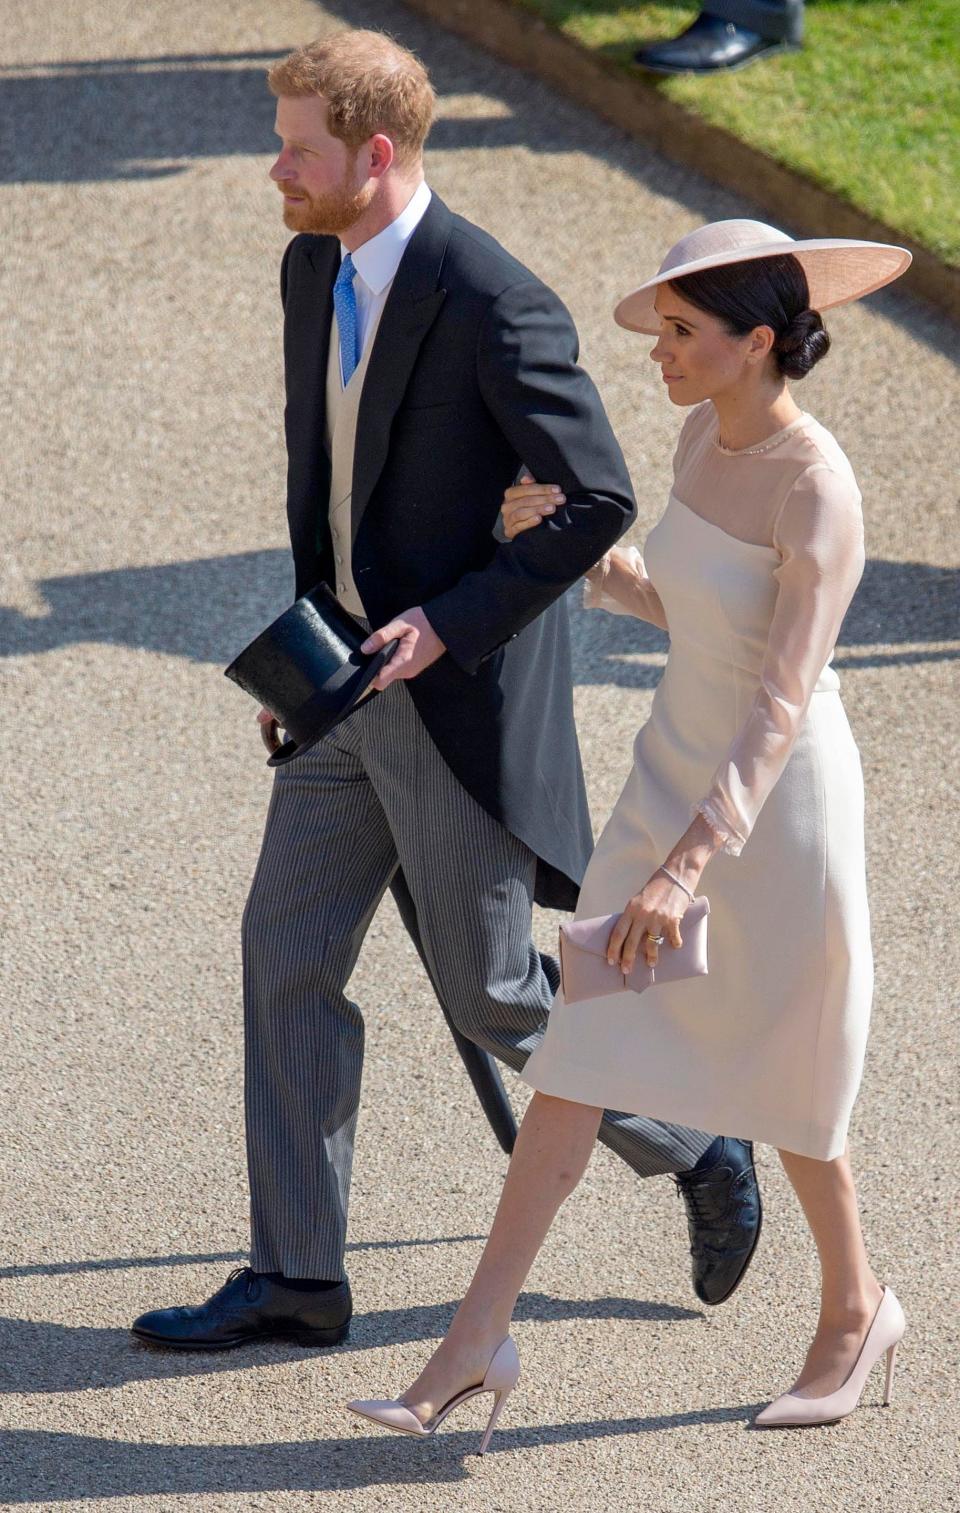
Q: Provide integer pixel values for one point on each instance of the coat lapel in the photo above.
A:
(412, 306)
(325, 260)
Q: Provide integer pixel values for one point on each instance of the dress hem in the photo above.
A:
(597, 1089)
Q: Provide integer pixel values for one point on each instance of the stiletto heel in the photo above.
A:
(500, 1378)
(498, 1403)
(882, 1339)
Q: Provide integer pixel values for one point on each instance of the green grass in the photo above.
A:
(870, 108)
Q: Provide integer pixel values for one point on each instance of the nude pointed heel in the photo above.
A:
(498, 1403)
(500, 1378)
(882, 1339)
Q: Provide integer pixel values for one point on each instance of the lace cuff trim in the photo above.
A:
(730, 840)
(594, 594)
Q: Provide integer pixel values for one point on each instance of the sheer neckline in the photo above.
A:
(767, 444)
(754, 546)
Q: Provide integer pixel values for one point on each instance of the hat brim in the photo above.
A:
(838, 271)
(291, 749)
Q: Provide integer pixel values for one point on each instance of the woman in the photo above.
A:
(747, 749)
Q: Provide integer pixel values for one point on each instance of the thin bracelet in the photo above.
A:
(691, 896)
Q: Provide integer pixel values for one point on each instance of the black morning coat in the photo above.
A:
(473, 374)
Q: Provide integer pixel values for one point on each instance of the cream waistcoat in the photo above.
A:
(341, 436)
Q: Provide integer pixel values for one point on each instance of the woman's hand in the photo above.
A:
(660, 905)
(653, 915)
(526, 504)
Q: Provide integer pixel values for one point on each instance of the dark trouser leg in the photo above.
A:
(777, 20)
(326, 859)
(472, 884)
(480, 1067)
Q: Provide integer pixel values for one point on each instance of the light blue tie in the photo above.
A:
(345, 304)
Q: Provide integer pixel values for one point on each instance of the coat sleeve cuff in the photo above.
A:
(463, 643)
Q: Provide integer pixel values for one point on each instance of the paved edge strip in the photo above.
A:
(529, 42)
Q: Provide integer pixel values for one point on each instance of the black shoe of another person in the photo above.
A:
(707, 46)
(251, 1306)
(724, 1215)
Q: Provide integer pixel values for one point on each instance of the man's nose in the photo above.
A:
(280, 170)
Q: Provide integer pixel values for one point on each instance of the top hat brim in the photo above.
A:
(361, 681)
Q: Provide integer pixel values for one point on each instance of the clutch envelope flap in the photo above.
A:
(590, 934)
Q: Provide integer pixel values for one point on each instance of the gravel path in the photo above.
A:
(143, 544)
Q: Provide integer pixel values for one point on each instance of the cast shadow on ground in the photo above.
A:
(72, 1467)
(137, 1263)
(41, 1357)
(142, 118)
(208, 609)
(148, 118)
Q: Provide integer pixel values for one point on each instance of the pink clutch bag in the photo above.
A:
(586, 973)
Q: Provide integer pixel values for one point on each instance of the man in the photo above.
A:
(728, 34)
(422, 364)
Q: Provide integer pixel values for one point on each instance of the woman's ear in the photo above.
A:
(760, 343)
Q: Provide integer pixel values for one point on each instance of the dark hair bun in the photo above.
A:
(801, 345)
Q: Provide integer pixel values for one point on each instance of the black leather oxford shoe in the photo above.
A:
(724, 1215)
(707, 46)
(249, 1306)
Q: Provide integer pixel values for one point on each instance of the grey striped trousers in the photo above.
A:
(373, 795)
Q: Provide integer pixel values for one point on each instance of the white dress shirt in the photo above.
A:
(378, 259)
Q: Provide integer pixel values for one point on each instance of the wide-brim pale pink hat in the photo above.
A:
(837, 270)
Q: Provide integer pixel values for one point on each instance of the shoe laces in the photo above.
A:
(249, 1275)
(697, 1196)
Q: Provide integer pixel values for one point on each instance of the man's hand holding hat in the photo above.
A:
(419, 646)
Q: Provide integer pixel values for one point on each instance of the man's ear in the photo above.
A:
(382, 156)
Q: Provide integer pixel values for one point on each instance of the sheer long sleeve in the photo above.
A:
(619, 584)
(819, 534)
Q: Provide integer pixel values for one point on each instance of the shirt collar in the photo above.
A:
(378, 259)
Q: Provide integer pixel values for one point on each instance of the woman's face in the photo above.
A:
(698, 356)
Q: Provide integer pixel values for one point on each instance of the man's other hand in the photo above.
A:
(269, 729)
(419, 647)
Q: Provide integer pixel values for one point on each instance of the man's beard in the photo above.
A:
(328, 214)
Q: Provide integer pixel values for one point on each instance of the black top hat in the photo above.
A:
(307, 669)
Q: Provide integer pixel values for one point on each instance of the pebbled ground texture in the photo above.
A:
(143, 544)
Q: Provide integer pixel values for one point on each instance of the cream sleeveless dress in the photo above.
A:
(751, 569)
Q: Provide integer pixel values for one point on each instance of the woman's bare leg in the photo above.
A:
(849, 1292)
(553, 1148)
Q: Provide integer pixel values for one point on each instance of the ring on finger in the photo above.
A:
(655, 940)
